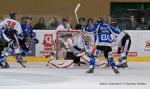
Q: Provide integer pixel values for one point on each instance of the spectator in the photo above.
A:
(23, 20)
(143, 25)
(59, 20)
(52, 24)
(90, 23)
(65, 25)
(108, 20)
(131, 24)
(81, 24)
(40, 25)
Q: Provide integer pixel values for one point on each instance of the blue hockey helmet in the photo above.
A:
(29, 17)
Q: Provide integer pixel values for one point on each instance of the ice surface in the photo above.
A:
(39, 76)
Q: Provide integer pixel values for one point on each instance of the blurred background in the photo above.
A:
(50, 12)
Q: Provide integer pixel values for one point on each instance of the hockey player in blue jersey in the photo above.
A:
(103, 44)
(26, 35)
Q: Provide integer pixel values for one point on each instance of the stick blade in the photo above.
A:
(77, 7)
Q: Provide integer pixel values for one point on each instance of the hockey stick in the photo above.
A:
(75, 11)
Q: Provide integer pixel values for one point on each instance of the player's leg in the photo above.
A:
(92, 64)
(52, 56)
(96, 52)
(124, 51)
(24, 46)
(4, 52)
(109, 55)
(3, 61)
(18, 53)
(119, 54)
(129, 45)
(127, 49)
(19, 57)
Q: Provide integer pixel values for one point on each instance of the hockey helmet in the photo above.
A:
(66, 19)
(12, 15)
(100, 20)
(29, 17)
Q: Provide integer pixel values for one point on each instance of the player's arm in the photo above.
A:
(18, 29)
(23, 26)
(31, 33)
(33, 36)
(6, 38)
(2, 24)
(95, 28)
(114, 31)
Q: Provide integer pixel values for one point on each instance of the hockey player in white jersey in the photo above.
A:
(10, 29)
(123, 41)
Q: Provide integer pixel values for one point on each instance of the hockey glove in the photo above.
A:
(36, 41)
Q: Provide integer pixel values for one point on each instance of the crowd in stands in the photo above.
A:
(51, 23)
(131, 23)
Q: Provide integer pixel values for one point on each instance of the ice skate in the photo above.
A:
(4, 65)
(91, 70)
(116, 71)
(123, 65)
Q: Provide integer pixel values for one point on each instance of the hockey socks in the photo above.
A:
(112, 63)
(123, 61)
(92, 60)
(92, 64)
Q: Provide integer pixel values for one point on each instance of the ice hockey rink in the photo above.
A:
(39, 76)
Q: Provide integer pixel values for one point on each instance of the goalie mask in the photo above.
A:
(86, 38)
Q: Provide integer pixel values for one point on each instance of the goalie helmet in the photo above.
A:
(86, 38)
